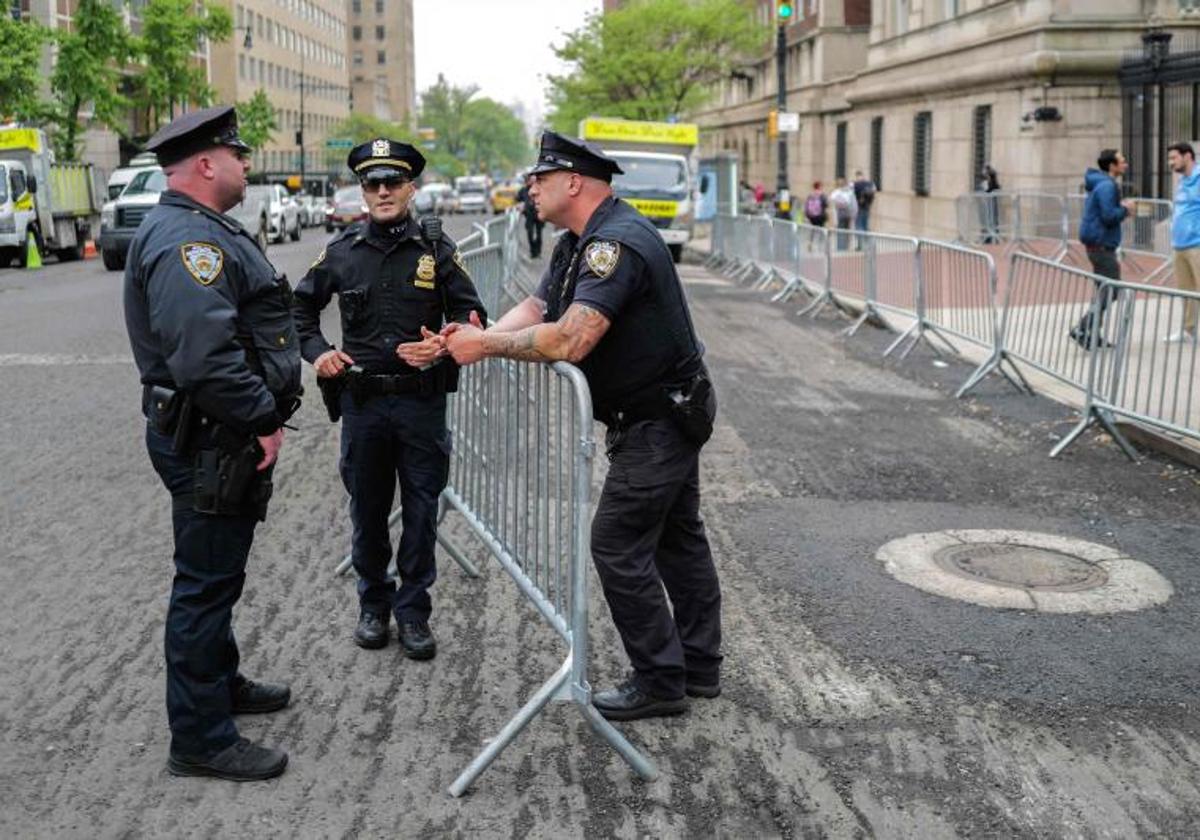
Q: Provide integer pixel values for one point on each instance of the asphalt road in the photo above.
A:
(854, 706)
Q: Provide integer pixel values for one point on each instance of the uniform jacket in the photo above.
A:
(388, 287)
(1102, 211)
(208, 314)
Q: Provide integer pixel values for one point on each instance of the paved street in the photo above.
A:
(854, 704)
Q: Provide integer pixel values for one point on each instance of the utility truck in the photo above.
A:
(660, 171)
(53, 207)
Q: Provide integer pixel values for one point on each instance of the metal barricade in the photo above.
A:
(986, 218)
(521, 477)
(1141, 377)
(486, 268)
(783, 257)
(1146, 253)
(812, 267)
(883, 272)
(476, 239)
(1041, 225)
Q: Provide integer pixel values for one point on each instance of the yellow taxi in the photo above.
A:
(504, 196)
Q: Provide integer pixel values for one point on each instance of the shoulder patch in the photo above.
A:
(320, 259)
(458, 260)
(602, 257)
(203, 260)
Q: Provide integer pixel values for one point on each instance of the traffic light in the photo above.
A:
(783, 10)
(772, 124)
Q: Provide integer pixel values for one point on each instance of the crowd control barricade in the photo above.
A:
(1041, 225)
(985, 218)
(783, 262)
(1146, 254)
(487, 270)
(812, 266)
(718, 252)
(1143, 378)
(1044, 302)
(762, 251)
(521, 477)
(476, 239)
(742, 248)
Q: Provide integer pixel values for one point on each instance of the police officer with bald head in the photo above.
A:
(611, 302)
(210, 323)
(397, 284)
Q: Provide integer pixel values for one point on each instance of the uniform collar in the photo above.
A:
(174, 198)
(598, 216)
(383, 235)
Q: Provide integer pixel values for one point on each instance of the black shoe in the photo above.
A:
(417, 640)
(244, 761)
(251, 698)
(372, 630)
(629, 702)
(708, 690)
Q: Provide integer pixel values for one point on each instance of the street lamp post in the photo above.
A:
(783, 200)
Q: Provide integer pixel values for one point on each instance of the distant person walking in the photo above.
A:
(816, 206)
(760, 194)
(1185, 233)
(533, 225)
(845, 207)
(1100, 233)
(990, 183)
(864, 192)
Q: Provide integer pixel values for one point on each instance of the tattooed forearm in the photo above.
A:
(521, 345)
(569, 339)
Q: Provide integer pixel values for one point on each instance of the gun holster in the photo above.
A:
(226, 479)
(331, 394)
(694, 408)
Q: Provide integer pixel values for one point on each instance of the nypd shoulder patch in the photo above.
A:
(320, 259)
(602, 257)
(203, 260)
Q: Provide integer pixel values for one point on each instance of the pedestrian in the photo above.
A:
(816, 206)
(1100, 233)
(397, 283)
(533, 225)
(844, 207)
(1185, 233)
(760, 195)
(864, 192)
(612, 303)
(214, 343)
(989, 183)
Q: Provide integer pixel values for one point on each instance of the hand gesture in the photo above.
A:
(425, 352)
(331, 363)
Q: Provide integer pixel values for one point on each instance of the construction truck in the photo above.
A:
(660, 171)
(51, 207)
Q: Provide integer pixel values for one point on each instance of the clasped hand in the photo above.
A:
(434, 346)
(464, 341)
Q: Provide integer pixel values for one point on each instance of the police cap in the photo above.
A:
(196, 131)
(382, 159)
(574, 155)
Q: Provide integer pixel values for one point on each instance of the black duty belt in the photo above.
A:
(377, 385)
(624, 418)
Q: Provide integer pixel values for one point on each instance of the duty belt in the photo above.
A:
(375, 385)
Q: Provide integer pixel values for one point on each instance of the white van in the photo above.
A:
(122, 176)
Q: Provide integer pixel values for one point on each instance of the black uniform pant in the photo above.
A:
(201, 652)
(533, 230)
(388, 439)
(647, 535)
(1104, 263)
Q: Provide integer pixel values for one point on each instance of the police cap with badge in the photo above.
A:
(385, 160)
(195, 132)
(573, 155)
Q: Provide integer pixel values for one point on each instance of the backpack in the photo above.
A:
(867, 194)
(843, 200)
(814, 208)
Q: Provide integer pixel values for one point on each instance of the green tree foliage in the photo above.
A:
(444, 109)
(471, 134)
(359, 128)
(172, 32)
(257, 120)
(652, 59)
(20, 69)
(87, 70)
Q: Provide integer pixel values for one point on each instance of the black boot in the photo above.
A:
(628, 701)
(372, 630)
(250, 697)
(417, 640)
(244, 761)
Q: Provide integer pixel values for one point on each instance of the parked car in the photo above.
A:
(472, 193)
(121, 177)
(503, 196)
(253, 214)
(119, 219)
(345, 208)
(312, 209)
(283, 214)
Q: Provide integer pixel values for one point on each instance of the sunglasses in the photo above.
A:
(390, 183)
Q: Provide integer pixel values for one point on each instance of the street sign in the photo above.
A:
(789, 121)
(339, 143)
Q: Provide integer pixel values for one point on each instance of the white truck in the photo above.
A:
(57, 206)
(472, 193)
(660, 171)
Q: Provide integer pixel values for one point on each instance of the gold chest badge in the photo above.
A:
(426, 271)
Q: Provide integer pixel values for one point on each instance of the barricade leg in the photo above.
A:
(1091, 415)
(921, 331)
(996, 362)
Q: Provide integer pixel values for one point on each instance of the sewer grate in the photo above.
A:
(1020, 567)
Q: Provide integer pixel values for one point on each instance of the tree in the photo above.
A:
(172, 31)
(87, 70)
(20, 69)
(359, 128)
(444, 109)
(652, 59)
(493, 137)
(257, 120)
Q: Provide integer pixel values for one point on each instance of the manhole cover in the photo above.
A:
(1021, 567)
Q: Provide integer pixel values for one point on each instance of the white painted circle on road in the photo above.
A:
(1024, 570)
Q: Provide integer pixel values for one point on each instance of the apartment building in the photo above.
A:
(382, 66)
(920, 94)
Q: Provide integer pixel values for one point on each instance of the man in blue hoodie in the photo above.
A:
(1185, 232)
(1100, 233)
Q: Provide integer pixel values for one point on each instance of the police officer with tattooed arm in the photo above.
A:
(210, 324)
(612, 303)
(397, 282)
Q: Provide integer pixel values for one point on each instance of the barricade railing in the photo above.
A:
(521, 476)
(812, 266)
(487, 269)
(783, 258)
(986, 218)
(1142, 377)
(1041, 226)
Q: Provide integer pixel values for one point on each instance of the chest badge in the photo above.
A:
(602, 257)
(203, 261)
(426, 271)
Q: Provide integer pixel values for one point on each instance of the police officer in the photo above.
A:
(612, 303)
(210, 324)
(533, 225)
(397, 283)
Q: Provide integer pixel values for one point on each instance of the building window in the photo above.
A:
(356, 33)
(378, 7)
(877, 152)
(381, 57)
(241, 66)
(950, 9)
(981, 144)
(899, 17)
(378, 33)
(356, 6)
(922, 151)
(839, 152)
(358, 58)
